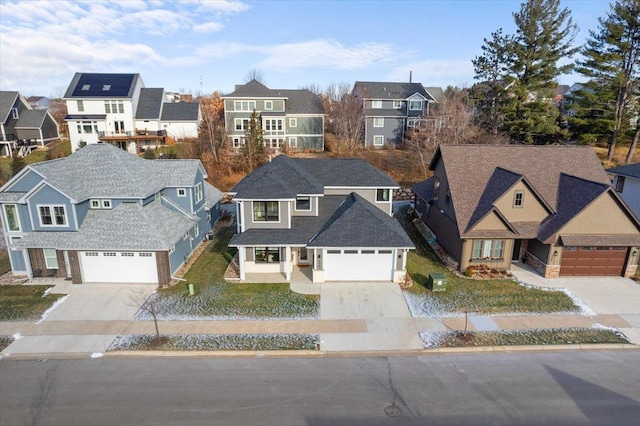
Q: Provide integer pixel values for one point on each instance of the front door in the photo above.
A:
(303, 256)
(516, 250)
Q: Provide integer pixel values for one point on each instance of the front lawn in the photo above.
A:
(498, 296)
(216, 342)
(551, 336)
(216, 299)
(5, 264)
(25, 302)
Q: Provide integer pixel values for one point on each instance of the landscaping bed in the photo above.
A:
(5, 341)
(25, 302)
(551, 336)
(216, 342)
(486, 297)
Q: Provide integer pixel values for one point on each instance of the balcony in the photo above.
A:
(138, 134)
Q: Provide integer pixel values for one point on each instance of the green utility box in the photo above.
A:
(437, 282)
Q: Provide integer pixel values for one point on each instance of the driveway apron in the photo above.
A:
(380, 305)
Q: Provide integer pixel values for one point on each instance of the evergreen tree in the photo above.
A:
(17, 163)
(253, 152)
(528, 66)
(611, 62)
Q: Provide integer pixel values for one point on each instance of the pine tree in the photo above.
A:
(528, 66)
(17, 163)
(611, 62)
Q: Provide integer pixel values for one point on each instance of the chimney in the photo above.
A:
(410, 76)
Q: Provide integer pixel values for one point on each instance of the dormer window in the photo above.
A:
(518, 199)
(182, 192)
(303, 204)
(415, 105)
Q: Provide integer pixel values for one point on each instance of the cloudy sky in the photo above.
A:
(193, 46)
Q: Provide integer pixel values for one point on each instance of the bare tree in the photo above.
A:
(146, 302)
(345, 116)
(254, 74)
(212, 130)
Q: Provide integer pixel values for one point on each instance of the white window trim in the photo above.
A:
(237, 106)
(6, 218)
(53, 216)
(198, 192)
(14, 113)
(376, 103)
(293, 142)
(92, 202)
(377, 120)
(106, 204)
(389, 194)
(381, 138)
(293, 122)
(183, 190)
(196, 230)
(47, 258)
(268, 105)
(397, 104)
(242, 124)
(419, 103)
(80, 105)
(238, 142)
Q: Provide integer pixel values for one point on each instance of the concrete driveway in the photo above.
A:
(380, 305)
(99, 307)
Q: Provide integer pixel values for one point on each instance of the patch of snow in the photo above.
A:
(55, 305)
(17, 336)
(97, 355)
(47, 291)
(431, 339)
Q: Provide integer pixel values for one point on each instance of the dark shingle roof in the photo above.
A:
(346, 172)
(388, 90)
(180, 111)
(87, 85)
(253, 89)
(30, 119)
(436, 92)
(150, 103)
(470, 168)
(302, 102)
(7, 100)
(358, 223)
(631, 170)
(499, 182)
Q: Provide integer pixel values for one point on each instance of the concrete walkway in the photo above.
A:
(353, 317)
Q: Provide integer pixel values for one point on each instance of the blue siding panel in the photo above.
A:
(17, 261)
(183, 202)
(26, 182)
(49, 196)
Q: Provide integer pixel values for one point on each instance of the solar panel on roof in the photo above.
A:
(98, 84)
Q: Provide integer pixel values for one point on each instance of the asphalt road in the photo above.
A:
(599, 387)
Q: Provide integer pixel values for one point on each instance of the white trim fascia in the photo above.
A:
(414, 94)
(362, 187)
(293, 114)
(263, 199)
(17, 177)
(169, 201)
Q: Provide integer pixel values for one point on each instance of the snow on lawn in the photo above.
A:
(217, 342)
(219, 302)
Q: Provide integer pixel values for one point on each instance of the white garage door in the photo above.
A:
(358, 265)
(118, 267)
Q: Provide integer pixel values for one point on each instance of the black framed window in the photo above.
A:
(265, 211)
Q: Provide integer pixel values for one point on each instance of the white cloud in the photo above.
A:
(208, 27)
(436, 72)
(223, 6)
(157, 21)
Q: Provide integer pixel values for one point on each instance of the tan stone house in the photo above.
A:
(552, 207)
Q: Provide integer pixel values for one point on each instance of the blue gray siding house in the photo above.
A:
(104, 215)
(289, 118)
(389, 109)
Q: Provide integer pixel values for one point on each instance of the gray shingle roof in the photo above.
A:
(180, 111)
(211, 195)
(150, 104)
(102, 85)
(102, 170)
(30, 119)
(7, 100)
(358, 223)
(436, 92)
(631, 170)
(388, 90)
(470, 168)
(253, 89)
(302, 102)
(129, 226)
(346, 172)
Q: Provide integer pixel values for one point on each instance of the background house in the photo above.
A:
(329, 217)
(291, 117)
(117, 108)
(389, 109)
(104, 215)
(39, 102)
(22, 129)
(551, 206)
(626, 182)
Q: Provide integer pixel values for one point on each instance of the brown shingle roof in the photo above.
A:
(470, 169)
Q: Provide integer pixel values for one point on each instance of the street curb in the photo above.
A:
(324, 354)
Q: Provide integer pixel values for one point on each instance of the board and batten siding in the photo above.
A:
(47, 195)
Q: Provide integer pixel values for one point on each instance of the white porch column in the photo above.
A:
(241, 259)
(404, 258)
(287, 263)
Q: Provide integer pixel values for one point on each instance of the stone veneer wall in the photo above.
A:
(547, 271)
(631, 270)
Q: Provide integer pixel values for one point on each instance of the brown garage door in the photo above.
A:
(593, 260)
